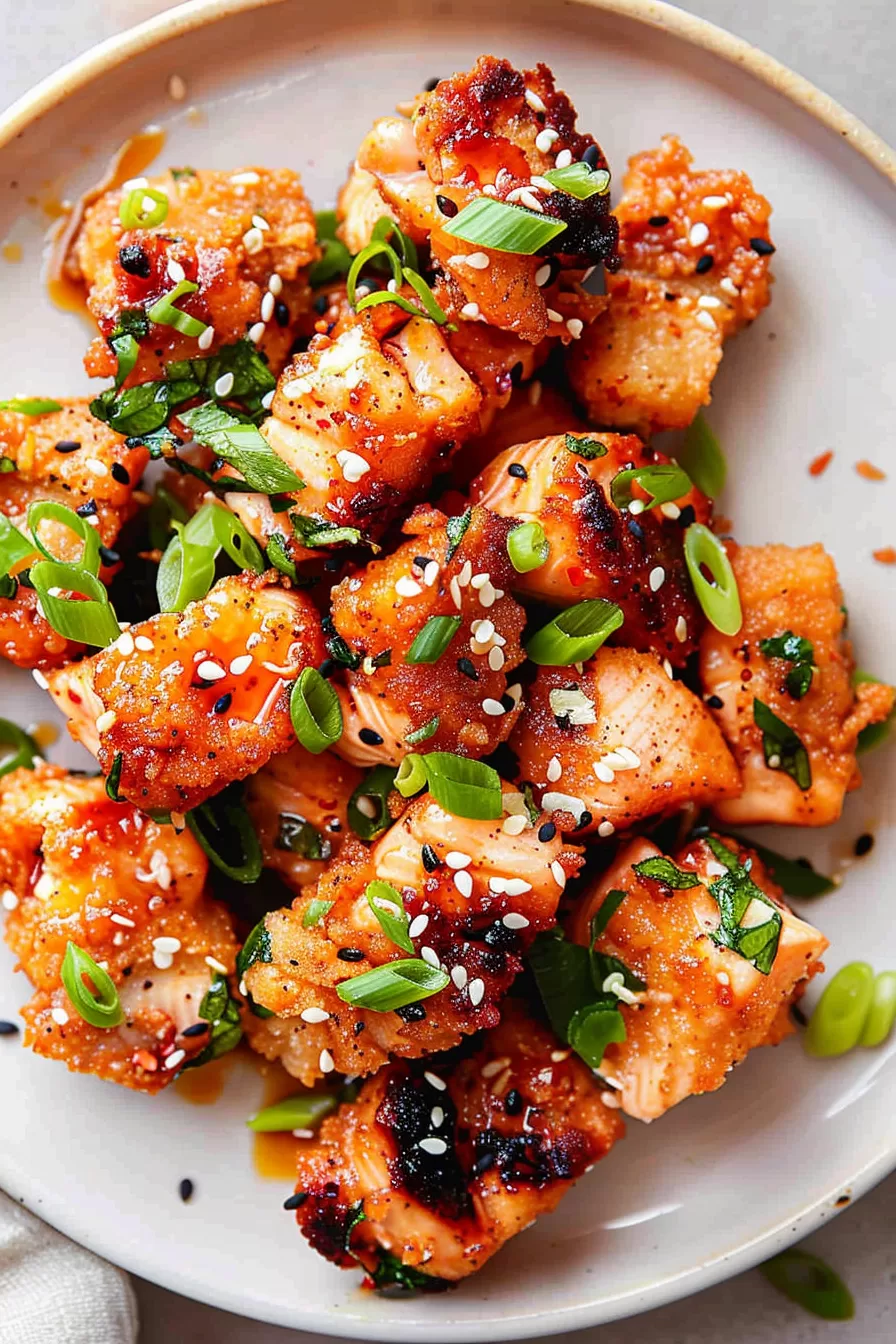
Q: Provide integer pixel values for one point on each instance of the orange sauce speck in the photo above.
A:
(870, 472)
(885, 556)
(11, 252)
(820, 463)
(203, 1086)
(274, 1156)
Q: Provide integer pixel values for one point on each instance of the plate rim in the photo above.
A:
(698, 32)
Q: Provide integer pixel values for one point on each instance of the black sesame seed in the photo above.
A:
(370, 738)
(547, 832)
(447, 206)
(464, 665)
(513, 1102)
(657, 221)
(320, 305)
(429, 858)
(411, 1012)
(86, 510)
(67, 446)
(518, 470)
(863, 845)
(430, 84)
(482, 1164)
(585, 819)
(223, 703)
(185, 1189)
(295, 1201)
(500, 938)
(762, 246)
(507, 703)
(197, 1029)
(328, 667)
(8, 1028)
(358, 1028)
(135, 261)
(350, 954)
(281, 314)
(421, 561)
(591, 156)
(120, 473)
(332, 563)
(636, 529)
(687, 516)
(715, 702)
(704, 264)
(108, 556)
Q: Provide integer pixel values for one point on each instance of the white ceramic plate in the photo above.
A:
(722, 1181)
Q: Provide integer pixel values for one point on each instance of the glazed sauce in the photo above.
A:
(203, 1086)
(274, 1156)
(134, 157)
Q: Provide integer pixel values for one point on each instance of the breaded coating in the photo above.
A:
(789, 590)
(448, 1160)
(596, 548)
(490, 132)
(191, 701)
(468, 698)
(475, 895)
(695, 254)
(705, 1005)
(532, 409)
(297, 804)
(228, 232)
(78, 867)
(69, 457)
(619, 742)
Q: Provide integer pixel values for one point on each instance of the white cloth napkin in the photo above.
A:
(54, 1292)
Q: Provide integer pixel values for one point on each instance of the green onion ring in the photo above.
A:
(315, 711)
(720, 599)
(134, 212)
(101, 1006)
(23, 750)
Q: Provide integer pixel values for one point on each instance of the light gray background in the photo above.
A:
(848, 48)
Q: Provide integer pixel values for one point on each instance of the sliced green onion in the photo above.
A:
(782, 748)
(99, 1006)
(432, 641)
(702, 457)
(303, 1111)
(336, 258)
(164, 313)
(574, 635)
(297, 835)
(18, 751)
(113, 779)
(426, 297)
(14, 546)
(89, 622)
(374, 789)
(385, 230)
(424, 732)
(243, 447)
(663, 870)
(44, 509)
(719, 598)
(839, 1018)
(30, 405)
(411, 776)
(876, 733)
(187, 569)
(456, 529)
(664, 483)
(503, 228)
(463, 787)
(227, 837)
(256, 948)
(314, 532)
(314, 912)
(578, 180)
(810, 1283)
(367, 254)
(393, 985)
(528, 547)
(278, 556)
(388, 906)
(143, 208)
(882, 1013)
(315, 711)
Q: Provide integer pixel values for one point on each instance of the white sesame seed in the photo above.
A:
(267, 400)
(176, 272)
(44, 886)
(517, 886)
(418, 925)
(464, 883)
(435, 1081)
(667, 668)
(494, 1067)
(240, 664)
(134, 182)
(774, 761)
(670, 510)
(534, 101)
(125, 644)
(454, 590)
(437, 1117)
(515, 921)
(256, 333)
(96, 467)
(166, 944)
(163, 960)
(40, 679)
(494, 708)
(459, 976)
(430, 956)
(705, 319)
(498, 885)
(59, 1016)
(554, 770)
(275, 284)
(698, 234)
(455, 859)
(297, 387)
(681, 629)
(366, 806)
(656, 578)
(267, 307)
(123, 920)
(216, 965)
(470, 310)
(249, 179)
(543, 275)
(558, 873)
(514, 824)
(106, 720)
(431, 573)
(495, 658)
(144, 644)
(558, 1056)
(259, 222)
(175, 1058)
(435, 1146)
(314, 1015)
(563, 159)
(488, 595)
(177, 88)
(224, 385)
(554, 316)
(606, 829)
(728, 285)
(611, 1101)
(466, 574)
(714, 202)
(253, 240)
(205, 339)
(326, 1062)
(529, 199)
(476, 991)
(575, 327)
(480, 261)
(603, 772)
(407, 587)
(353, 465)
(546, 138)
(210, 671)
(709, 301)
(542, 184)
(637, 506)
(9, 900)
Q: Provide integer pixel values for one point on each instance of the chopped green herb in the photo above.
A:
(456, 529)
(811, 1284)
(113, 779)
(368, 807)
(223, 1014)
(792, 649)
(585, 447)
(314, 912)
(298, 836)
(782, 748)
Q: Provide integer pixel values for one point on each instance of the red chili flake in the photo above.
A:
(885, 556)
(145, 1060)
(820, 463)
(576, 576)
(74, 697)
(870, 472)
